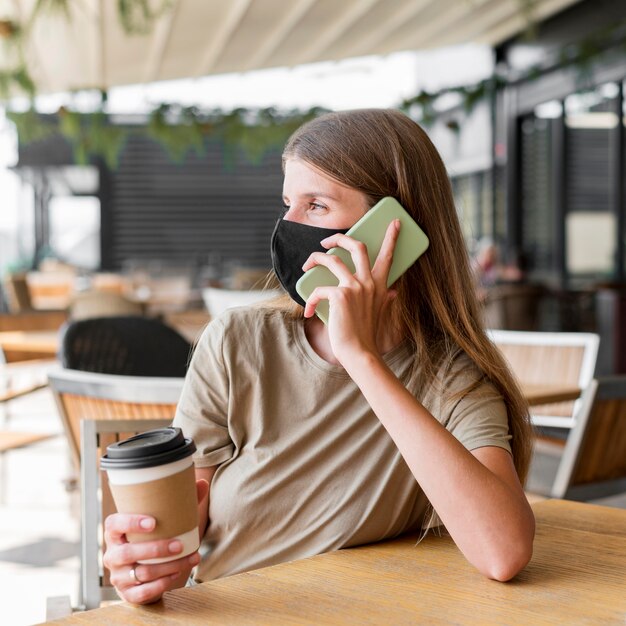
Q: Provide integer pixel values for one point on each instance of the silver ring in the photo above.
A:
(133, 575)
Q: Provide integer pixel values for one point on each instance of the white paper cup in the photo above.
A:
(152, 474)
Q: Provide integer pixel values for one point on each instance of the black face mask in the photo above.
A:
(292, 244)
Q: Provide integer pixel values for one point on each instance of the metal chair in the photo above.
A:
(593, 464)
(128, 345)
(90, 395)
(118, 406)
(11, 389)
(539, 358)
(94, 303)
(97, 502)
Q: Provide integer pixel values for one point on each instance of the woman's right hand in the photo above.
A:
(143, 583)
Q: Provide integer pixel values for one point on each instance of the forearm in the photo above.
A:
(488, 517)
(205, 474)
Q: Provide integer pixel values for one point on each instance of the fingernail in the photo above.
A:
(175, 546)
(147, 523)
(397, 223)
(194, 559)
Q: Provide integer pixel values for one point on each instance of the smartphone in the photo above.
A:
(370, 229)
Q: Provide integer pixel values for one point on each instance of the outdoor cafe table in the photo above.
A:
(24, 345)
(549, 394)
(577, 575)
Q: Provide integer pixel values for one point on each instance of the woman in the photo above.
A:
(314, 437)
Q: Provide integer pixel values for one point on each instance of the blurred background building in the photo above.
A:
(137, 139)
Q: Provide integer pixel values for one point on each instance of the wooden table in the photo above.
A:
(549, 394)
(577, 575)
(22, 345)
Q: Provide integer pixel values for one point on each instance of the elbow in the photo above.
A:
(510, 561)
(512, 558)
(506, 568)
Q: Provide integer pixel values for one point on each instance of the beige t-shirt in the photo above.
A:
(305, 466)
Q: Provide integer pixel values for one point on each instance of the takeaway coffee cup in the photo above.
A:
(152, 474)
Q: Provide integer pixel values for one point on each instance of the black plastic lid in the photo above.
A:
(149, 449)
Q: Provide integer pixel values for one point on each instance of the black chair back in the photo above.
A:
(130, 345)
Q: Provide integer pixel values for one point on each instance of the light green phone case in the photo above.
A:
(370, 229)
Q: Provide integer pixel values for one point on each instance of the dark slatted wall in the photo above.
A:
(218, 206)
(536, 202)
(588, 171)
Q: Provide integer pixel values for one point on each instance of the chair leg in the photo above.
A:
(3, 478)
(58, 607)
(90, 571)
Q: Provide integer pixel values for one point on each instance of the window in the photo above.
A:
(590, 224)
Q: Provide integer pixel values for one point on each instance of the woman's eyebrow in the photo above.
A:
(320, 194)
(314, 194)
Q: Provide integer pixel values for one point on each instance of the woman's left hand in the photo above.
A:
(358, 322)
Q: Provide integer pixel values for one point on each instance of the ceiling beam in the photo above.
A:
(101, 63)
(384, 29)
(412, 36)
(230, 22)
(469, 26)
(41, 77)
(517, 23)
(277, 36)
(160, 39)
(332, 32)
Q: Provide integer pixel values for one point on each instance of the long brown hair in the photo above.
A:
(382, 152)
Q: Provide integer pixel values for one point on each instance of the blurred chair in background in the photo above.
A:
(249, 279)
(110, 283)
(96, 435)
(189, 324)
(95, 303)
(17, 293)
(590, 462)
(52, 286)
(218, 300)
(560, 359)
(513, 306)
(97, 409)
(130, 346)
(593, 464)
(12, 388)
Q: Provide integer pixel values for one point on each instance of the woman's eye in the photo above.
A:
(317, 207)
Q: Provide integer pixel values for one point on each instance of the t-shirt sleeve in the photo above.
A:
(202, 411)
(479, 417)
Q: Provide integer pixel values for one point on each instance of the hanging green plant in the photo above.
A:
(137, 17)
(53, 7)
(16, 78)
(177, 137)
(91, 136)
(9, 30)
(31, 126)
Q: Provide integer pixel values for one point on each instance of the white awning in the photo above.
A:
(194, 38)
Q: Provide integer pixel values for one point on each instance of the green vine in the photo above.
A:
(181, 130)
(19, 78)
(184, 133)
(137, 17)
(178, 130)
(52, 7)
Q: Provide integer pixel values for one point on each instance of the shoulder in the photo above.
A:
(242, 327)
(460, 382)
